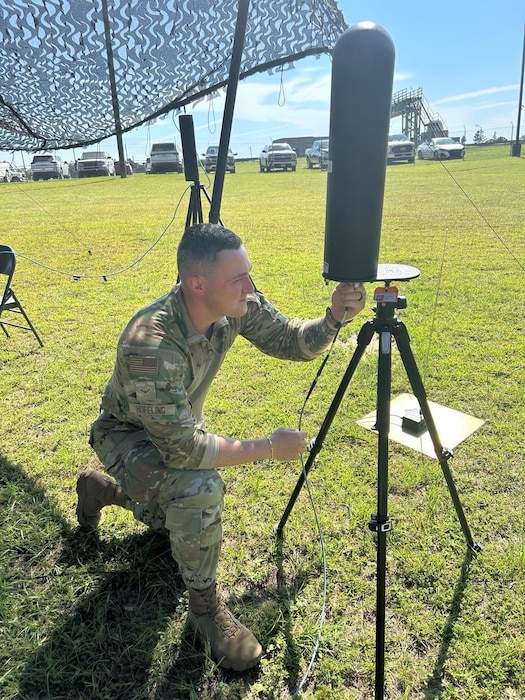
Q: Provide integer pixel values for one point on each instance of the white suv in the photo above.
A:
(165, 158)
(46, 166)
(95, 163)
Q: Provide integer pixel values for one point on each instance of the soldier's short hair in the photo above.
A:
(200, 244)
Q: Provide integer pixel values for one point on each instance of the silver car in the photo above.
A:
(46, 166)
(441, 148)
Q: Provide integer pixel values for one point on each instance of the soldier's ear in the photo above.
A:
(195, 283)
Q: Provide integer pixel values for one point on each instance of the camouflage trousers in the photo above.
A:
(187, 504)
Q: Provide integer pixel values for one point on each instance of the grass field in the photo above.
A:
(102, 616)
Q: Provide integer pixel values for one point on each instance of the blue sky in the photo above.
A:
(465, 55)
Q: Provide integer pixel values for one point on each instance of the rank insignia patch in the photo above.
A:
(145, 391)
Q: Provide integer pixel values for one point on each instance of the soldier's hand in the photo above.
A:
(348, 299)
(288, 443)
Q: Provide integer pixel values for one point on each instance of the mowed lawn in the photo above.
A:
(103, 616)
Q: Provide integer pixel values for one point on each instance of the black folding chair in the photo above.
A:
(9, 301)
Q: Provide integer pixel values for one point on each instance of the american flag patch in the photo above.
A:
(141, 365)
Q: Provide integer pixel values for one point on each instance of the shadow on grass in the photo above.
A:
(293, 654)
(92, 618)
(12, 352)
(434, 684)
(104, 645)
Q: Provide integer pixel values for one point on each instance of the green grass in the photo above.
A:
(103, 616)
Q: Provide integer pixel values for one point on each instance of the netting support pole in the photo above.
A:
(113, 85)
(227, 119)
(516, 147)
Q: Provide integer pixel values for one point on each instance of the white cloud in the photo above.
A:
(493, 105)
(401, 77)
(477, 93)
(299, 104)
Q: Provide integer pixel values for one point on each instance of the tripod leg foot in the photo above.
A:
(278, 531)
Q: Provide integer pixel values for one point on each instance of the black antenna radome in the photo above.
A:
(362, 78)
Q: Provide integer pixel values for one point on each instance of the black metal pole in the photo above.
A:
(516, 148)
(227, 119)
(380, 522)
(113, 85)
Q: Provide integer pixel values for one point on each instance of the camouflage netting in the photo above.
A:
(55, 89)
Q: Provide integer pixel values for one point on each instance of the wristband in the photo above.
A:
(271, 447)
(331, 319)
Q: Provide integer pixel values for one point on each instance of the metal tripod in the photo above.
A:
(387, 326)
(194, 214)
(191, 170)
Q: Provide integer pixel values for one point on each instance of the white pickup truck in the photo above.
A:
(400, 147)
(277, 156)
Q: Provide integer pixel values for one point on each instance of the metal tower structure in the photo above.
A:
(418, 121)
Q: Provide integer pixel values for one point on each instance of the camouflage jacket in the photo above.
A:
(164, 369)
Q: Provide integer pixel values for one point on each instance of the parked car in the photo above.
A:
(317, 154)
(18, 175)
(129, 167)
(277, 156)
(210, 159)
(5, 171)
(46, 166)
(165, 158)
(441, 148)
(95, 163)
(400, 147)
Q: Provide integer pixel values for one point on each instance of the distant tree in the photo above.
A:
(479, 137)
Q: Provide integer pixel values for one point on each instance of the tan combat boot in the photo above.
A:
(96, 490)
(232, 644)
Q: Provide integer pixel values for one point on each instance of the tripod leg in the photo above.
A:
(194, 213)
(363, 339)
(443, 455)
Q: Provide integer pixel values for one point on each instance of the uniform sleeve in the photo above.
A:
(153, 395)
(282, 337)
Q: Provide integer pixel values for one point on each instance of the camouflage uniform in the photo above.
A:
(150, 434)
